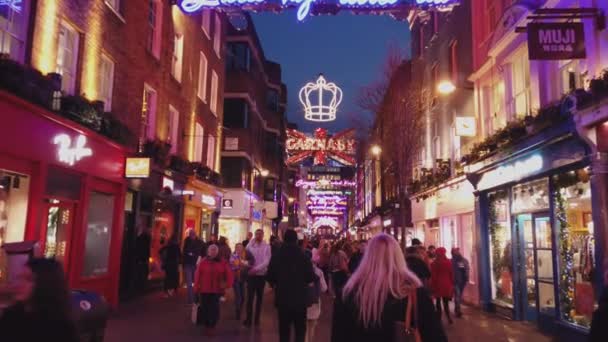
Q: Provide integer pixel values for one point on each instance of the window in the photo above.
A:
(571, 78)
(198, 143)
(106, 81)
(519, 104)
(206, 22)
(498, 114)
(501, 249)
(239, 57)
(217, 35)
(67, 57)
(176, 62)
(211, 152)
(14, 18)
(98, 234)
(214, 92)
(236, 113)
(272, 100)
(154, 28)
(173, 129)
(149, 112)
(202, 77)
(14, 190)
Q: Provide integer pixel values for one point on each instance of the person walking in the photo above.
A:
(256, 277)
(442, 282)
(170, 256)
(414, 257)
(41, 311)
(142, 259)
(289, 273)
(461, 270)
(213, 277)
(355, 259)
(239, 263)
(224, 248)
(376, 297)
(338, 268)
(246, 241)
(313, 312)
(192, 249)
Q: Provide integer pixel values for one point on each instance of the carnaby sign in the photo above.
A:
(339, 147)
(556, 41)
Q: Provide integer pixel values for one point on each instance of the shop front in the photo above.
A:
(537, 236)
(239, 215)
(444, 217)
(202, 207)
(62, 186)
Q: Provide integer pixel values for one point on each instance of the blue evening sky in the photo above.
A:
(348, 49)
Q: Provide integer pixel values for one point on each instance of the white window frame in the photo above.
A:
(11, 32)
(173, 129)
(206, 22)
(154, 45)
(520, 73)
(214, 92)
(150, 124)
(199, 134)
(211, 152)
(68, 72)
(203, 66)
(106, 81)
(177, 59)
(217, 36)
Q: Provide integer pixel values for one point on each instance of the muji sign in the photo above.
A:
(556, 41)
(306, 7)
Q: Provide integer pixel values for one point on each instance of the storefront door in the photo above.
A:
(57, 230)
(535, 283)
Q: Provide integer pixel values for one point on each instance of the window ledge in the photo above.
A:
(118, 15)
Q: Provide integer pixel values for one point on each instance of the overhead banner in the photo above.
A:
(339, 147)
(556, 41)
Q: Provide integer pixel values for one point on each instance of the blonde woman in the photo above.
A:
(375, 298)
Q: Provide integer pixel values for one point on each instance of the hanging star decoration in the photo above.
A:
(339, 147)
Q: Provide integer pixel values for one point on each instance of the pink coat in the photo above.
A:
(442, 277)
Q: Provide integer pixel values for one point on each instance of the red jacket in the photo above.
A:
(442, 277)
(212, 276)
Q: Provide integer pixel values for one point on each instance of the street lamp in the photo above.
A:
(376, 150)
(264, 173)
(446, 87)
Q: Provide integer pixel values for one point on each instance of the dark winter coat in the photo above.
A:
(354, 261)
(461, 270)
(290, 272)
(16, 324)
(419, 267)
(442, 277)
(348, 327)
(192, 250)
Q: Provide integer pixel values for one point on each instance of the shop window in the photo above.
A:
(500, 248)
(14, 18)
(198, 143)
(14, 189)
(206, 22)
(214, 92)
(202, 77)
(67, 57)
(98, 235)
(576, 247)
(530, 197)
(177, 60)
(217, 35)
(106, 81)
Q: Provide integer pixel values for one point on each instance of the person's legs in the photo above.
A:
(311, 326)
(285, 319)
(250, 294)
(238, 297)
(214, 311)
(259, 296)
(457, 300)
(205, 307)
(299, 321)
(438, 306)
(189, 278)
(446, 308)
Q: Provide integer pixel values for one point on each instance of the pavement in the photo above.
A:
(156, 319)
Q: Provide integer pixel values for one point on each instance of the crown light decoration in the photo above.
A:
(320, 100)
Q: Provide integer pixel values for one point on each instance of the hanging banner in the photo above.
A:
(339, 147)
(556, 41)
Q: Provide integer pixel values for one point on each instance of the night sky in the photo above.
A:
(348, 49)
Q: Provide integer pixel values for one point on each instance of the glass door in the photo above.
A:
(536, 289)
(57, 230)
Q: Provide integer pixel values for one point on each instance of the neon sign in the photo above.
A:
(15, 5)
(325, 221)
(71, 154)
(320, 111)
(326, 200)
(339, 147)
(324, 183)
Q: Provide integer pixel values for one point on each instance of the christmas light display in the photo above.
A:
(339, 147)
(320, 100)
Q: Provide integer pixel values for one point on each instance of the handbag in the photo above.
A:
(406, 331)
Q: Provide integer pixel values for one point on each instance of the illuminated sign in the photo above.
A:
(71, 154)
(326, 200)
(137, 168)
(15, 5)
(511, 172)
(207, 199)
(227, 203)
(324, 183)
(339, 147)
(465, 126)
(556, 41)
(325, 221)
(320, 100)
(387, 222)
(327, 211)
(168, 183)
